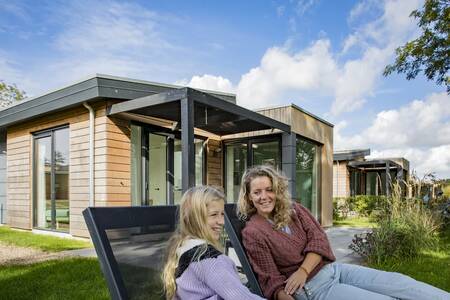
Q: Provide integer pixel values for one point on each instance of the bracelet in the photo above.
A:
(305, 270)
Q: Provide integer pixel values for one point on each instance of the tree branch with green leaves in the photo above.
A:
(430, 52)
(10, 94)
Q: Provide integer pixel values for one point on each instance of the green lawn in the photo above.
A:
(432, 267)
(74, 278)
(355, 222)
(39, 241)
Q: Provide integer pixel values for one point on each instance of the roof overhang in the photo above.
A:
(92, 89)
(350, 154)
(377, 164)
(211, 113)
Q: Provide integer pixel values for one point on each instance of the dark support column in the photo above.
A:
(187, 144)
(388, 180)
(400, 180)
(288, 148)
(400, 175)
(170, 171)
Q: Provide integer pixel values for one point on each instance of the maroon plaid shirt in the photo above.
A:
(275, 255)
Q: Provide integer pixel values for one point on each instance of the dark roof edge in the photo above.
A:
(300, 109)
(94, 87)
(350, 154)
(167, 85)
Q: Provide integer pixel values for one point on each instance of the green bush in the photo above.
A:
(365, 205)
(340, 210)
(405, 228)
(360, 205)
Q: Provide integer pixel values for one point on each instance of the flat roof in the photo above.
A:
(375, 164)
(94, 88)
(350, 154)
(211, 113)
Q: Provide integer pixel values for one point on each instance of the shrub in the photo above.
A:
(341, 208)
(405, 228)
(361, 205)
(365, 205)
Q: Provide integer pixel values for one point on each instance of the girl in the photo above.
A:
(195, 267)
(292, 257)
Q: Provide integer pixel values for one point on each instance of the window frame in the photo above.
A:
(49, 132)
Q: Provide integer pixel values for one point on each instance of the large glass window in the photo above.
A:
(156, 166)
(199, 167)
(266, 153)
(307, 174)
(372, 183)
(51, 180)
(246, 153)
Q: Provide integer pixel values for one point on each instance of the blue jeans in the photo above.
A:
(338, 281)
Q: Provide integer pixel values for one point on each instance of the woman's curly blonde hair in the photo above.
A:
(283, 206)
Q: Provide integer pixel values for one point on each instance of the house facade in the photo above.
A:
(353, 174)
(110, 141)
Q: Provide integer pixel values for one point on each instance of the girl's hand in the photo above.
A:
(295, 281)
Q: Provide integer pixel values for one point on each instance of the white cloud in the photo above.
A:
(378, 40)
(303, 6)
(311, 69)
(418, 131)
(424, 161)
(357, 80)
(10, 73)
(209, 82)
(315, 68)
(117, 27)
(362, 8)
(110, 37)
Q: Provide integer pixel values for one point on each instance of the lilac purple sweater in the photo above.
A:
(211, 278)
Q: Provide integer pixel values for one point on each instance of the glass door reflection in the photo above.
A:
(51, 180)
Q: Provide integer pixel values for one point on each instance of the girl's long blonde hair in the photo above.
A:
(193, 217)
(283, 206)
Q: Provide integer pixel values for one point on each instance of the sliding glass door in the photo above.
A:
(51, 180)
(308, 174)
(236, 163)
(156, 166)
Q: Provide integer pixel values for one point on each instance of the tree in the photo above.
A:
(430, 52)
(9, 94)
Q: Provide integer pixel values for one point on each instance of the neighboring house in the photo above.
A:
(110, 141)
(353, 174)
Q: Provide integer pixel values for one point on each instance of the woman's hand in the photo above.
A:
(295, 281)
(281, 295)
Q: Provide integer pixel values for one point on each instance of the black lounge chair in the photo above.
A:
(131, 244)
(233, 227)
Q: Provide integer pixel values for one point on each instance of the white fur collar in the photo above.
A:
(188, 245)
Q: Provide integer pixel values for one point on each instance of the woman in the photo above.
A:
(292, 257)
(195, 267)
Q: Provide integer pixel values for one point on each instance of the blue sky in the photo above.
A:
(325, 56)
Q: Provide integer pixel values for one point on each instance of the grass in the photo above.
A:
(355, 222)
(432, 267)
(43, 242)
(74, 278)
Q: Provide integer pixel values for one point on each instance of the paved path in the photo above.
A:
(340, 238)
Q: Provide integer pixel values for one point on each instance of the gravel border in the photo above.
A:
(14, 255)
